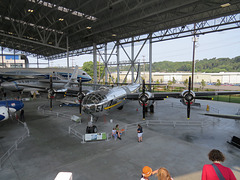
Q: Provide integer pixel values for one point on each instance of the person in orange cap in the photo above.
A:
(147, 172)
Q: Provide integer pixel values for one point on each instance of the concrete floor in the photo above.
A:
(182, 149)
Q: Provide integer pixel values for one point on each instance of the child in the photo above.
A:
(114, 133)
(147, 172)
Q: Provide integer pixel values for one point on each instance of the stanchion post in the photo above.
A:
(83, 139)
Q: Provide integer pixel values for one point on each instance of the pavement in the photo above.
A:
(182, 148)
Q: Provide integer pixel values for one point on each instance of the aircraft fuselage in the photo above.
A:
(101, 101)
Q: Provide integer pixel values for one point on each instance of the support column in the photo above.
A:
(14, 58)
(67, 57)
(94, 63)
(2, 58)
(132, 60)
(118, 58)
(193, 63)
(105, 63)
(37, 62)
(150, 61)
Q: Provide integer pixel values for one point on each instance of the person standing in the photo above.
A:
(140, 132)
(22, 115)
(216, 171)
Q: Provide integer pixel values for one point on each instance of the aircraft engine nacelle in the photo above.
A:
(3, 113)
(51, 93)
(187, 97)
(145, 99)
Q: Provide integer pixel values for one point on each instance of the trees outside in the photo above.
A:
(185, 83)
(214, 65)
(88, 67)
(218, 82)
(174, 81)
(203, 83)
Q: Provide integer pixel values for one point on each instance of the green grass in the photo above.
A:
(227, 98)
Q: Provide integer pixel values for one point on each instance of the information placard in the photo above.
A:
(95, 136)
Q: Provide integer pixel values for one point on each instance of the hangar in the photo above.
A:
(51, 29)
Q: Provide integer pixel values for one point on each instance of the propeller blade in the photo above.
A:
(143, 87)
(189, 85)
(188, 110)
(189, 91)
(51, 90)
(204, 98)
(144, 111)
(143, 91)
(80, 94)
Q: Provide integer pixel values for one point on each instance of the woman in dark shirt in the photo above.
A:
(140, 132)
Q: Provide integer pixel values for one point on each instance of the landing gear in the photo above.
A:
(120, 108)
(151, 108)
(91, 128)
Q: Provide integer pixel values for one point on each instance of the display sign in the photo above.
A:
(95, 136)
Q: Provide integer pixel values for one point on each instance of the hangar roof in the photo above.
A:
(43, 27)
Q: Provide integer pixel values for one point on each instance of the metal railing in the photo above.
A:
(174, 123)
(76, 133)
(165, 123)
(73, 131)
(15, 145)
(48, 112)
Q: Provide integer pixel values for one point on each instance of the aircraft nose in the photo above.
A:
(4, 84)
(89, 78)
(1, 117)
(21, 105)
(8, 85)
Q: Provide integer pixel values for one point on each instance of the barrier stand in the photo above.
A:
(73, 131)
(14, 146)
(109, 135)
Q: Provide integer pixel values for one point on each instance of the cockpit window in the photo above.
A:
(93, 98)
(83, 73)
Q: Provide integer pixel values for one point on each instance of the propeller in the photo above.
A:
(51, 92)
(143, 99)
(189, 97)
(80, 95)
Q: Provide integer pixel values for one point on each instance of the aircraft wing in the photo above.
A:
(162, 95)
(237, 117)
(215, 93)
(21, 76)
(54, 81)
(156, 96)
(198, 94)
(33, 86)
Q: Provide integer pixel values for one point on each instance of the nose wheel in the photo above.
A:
(91, 128)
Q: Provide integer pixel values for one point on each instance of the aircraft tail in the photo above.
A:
(73, 78)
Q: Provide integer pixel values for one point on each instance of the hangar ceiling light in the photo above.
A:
(63, 9)
(30, 24)
(30, 10)
(225, 5)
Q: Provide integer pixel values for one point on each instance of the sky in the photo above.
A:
(225, 44)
